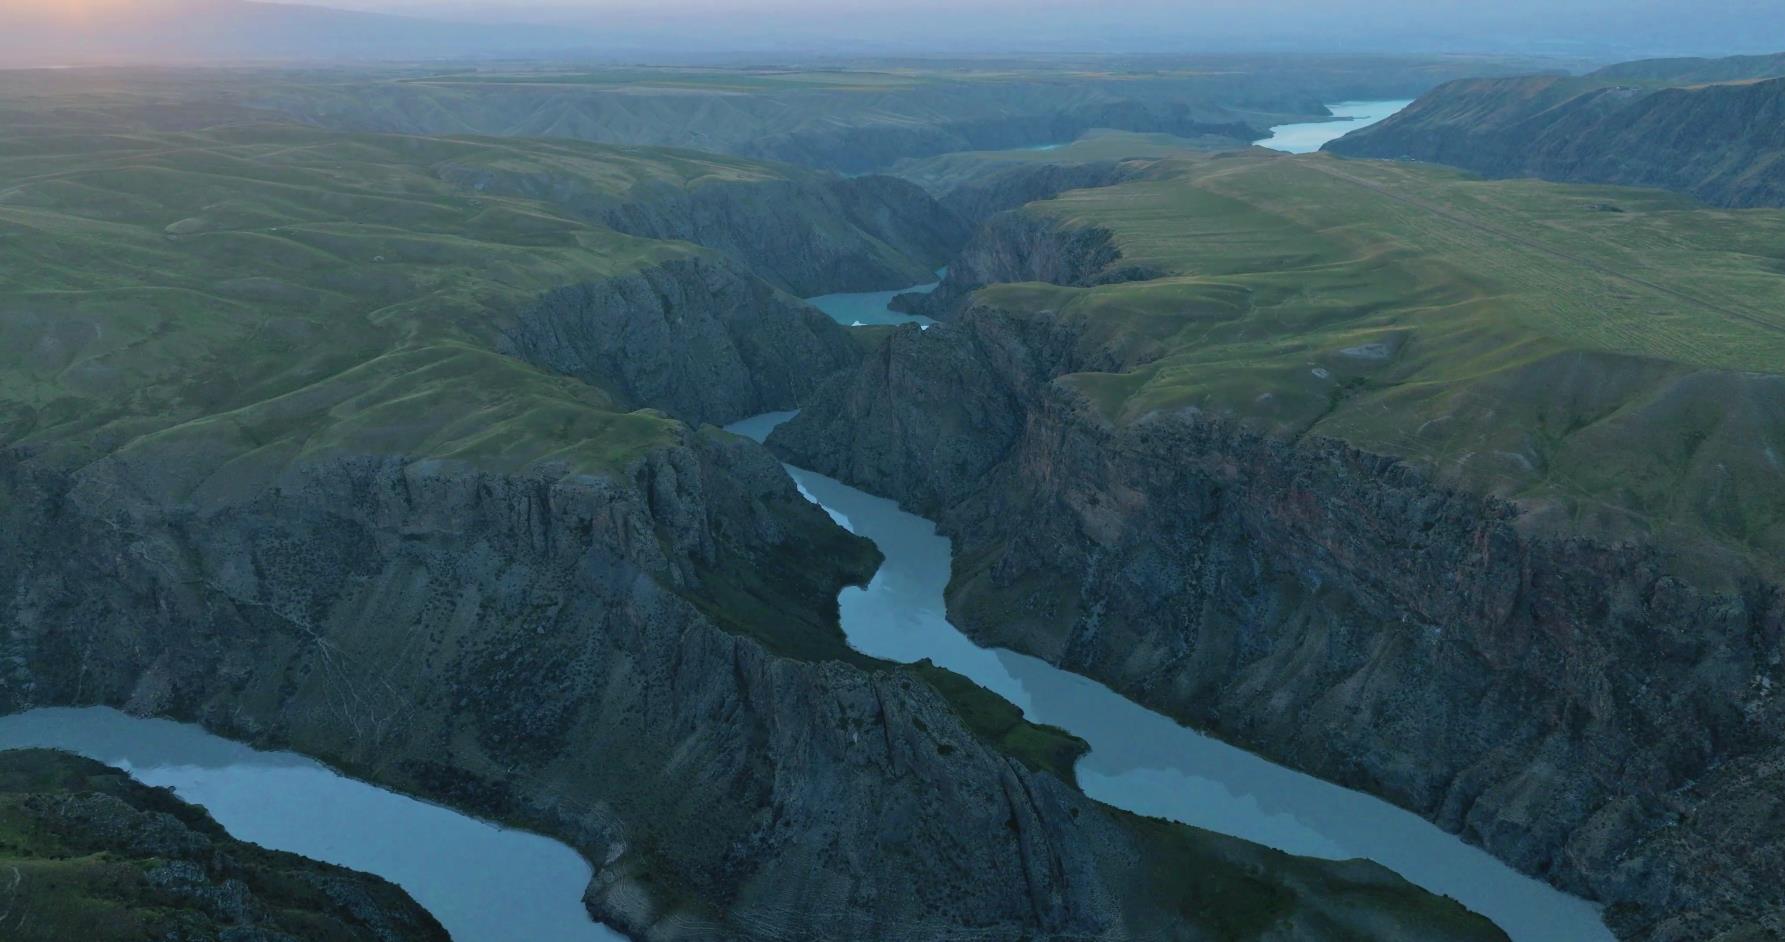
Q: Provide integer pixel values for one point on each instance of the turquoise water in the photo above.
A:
(484, 883)
(1146, 763)
(1305, 138)
(862, 310)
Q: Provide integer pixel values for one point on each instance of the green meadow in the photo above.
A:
(269, 292)
(1610, 357)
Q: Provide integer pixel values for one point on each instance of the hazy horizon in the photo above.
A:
(184, 30)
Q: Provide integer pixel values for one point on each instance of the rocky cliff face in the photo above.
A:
(695, 337)
(805, 233)
(92, 854)
(1719, 143)
(1594, 714)
(1017, 247)
(536, 648)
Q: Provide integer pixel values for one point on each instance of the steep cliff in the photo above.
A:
(1722, 143)
(695, 337)
(452, 632)
(94, 855)
(1590, 700)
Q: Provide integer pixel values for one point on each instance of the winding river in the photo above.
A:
(486, 883)
(1147, 763)
(1306, 137)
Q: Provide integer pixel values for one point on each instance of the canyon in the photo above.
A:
(1270, 556)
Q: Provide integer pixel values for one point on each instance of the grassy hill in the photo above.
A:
(1707, 127)
(948, 172)
(285, 290)
(855, 117)
(277, 290)
(1612, 357)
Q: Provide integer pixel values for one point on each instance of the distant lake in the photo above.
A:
(1306, 137)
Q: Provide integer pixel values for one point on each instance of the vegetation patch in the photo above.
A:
(999, 722)
(1612, 370)
(91, 854)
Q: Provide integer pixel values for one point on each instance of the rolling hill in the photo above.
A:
(1713, 128)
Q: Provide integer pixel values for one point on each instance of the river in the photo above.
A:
(1147, 763)
(483, 882)
(487, 883)
(1306, 137)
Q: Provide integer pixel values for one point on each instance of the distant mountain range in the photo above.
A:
(240, 30)
(1714, 128)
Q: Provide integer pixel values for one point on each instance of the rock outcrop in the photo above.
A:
(1598, 714)
(91, 854)
(1016, 247)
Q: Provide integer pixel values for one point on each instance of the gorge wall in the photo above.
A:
(696, 337)
(536, 649)
(803, 232)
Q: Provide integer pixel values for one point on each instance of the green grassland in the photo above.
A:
(274, 289)
(713, 80)
(1610, 356)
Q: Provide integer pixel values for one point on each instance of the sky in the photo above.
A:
(1649, 26)
(1604, 29)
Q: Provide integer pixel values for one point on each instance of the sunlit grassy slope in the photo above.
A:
(945, 172)
(1612, 356)
(273, 291)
